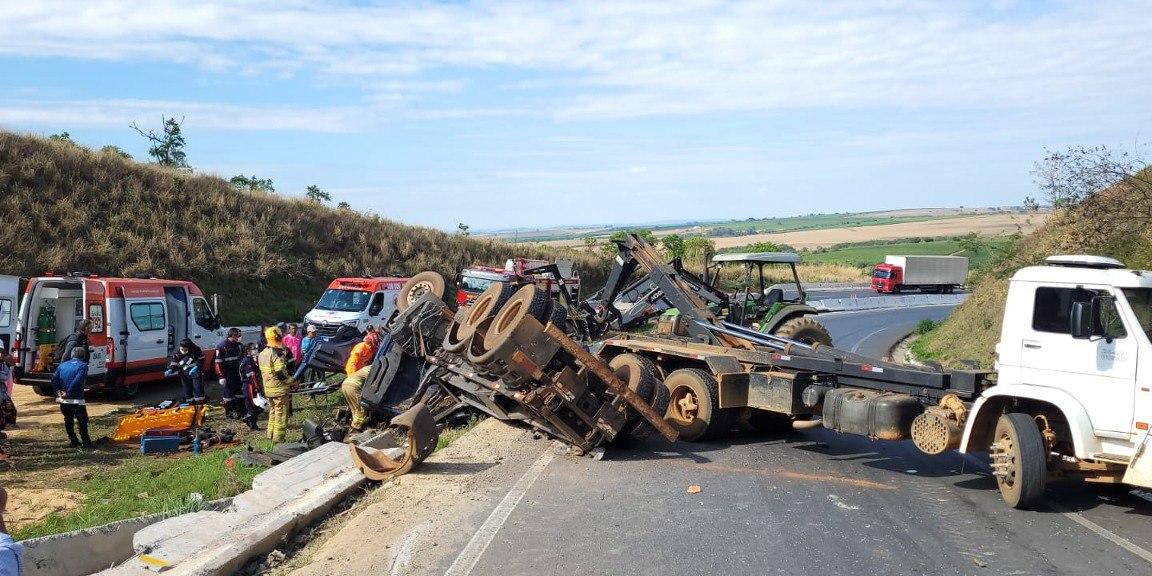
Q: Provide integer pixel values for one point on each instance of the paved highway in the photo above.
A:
(811, 502)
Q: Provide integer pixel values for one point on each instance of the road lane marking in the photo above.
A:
(475, 548)
(860, 343)
(1104, 533)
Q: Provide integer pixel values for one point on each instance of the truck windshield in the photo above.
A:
(343, 300)
(1140, 299)
(474, 284)
(881, 274)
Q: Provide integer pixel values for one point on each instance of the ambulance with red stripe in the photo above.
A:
(136, 325)
(355, 302)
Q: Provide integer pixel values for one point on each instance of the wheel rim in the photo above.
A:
(684, 406)
(418, 290)
(1004, 461)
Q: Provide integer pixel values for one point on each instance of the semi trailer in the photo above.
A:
(941, 274)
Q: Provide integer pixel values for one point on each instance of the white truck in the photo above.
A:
(941, 274)
(1071, 395)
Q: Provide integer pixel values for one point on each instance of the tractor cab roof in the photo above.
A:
(759, 257)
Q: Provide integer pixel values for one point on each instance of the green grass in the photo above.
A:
(868, 255)
(146, 485)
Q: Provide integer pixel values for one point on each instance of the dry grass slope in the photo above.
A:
(68, 208)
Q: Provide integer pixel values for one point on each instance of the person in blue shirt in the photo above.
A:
(68, 381)
(11, 552)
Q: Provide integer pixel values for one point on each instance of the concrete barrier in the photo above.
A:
(102, 546)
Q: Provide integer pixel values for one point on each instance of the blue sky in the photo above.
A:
(528, 114)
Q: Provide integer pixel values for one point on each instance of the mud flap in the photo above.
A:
(419, 427)
(1139, 472)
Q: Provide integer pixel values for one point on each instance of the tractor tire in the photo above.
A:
(419, 285)
(694, 405)
(1021, 460)
(45, 390)
(804, 329)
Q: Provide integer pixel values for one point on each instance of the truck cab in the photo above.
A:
(355, 302)
(474, 280)
(1075, 355)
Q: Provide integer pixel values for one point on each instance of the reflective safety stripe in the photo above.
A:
(73, 401)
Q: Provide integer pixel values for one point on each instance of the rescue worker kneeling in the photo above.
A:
(356, 372)
(274, 363)
(352, 387)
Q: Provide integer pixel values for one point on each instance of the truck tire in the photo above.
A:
(642, 377)
(417, 286)
(488, 303)
(558, 316)
(694, 405)
(529, 300)
(1020, 460)
(804, 329)
(45, 390)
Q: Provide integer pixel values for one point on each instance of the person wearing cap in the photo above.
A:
(310, 340)
(278, 382)
(229, 352)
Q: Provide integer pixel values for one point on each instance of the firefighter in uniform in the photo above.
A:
(229, 352)
(273, 362)
(356, 372)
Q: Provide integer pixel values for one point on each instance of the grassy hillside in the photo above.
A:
(1108, 224)
(67, 208)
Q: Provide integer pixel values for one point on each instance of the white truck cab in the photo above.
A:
(1075, 356)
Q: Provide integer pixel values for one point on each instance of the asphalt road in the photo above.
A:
(875, 332)
(812, 502)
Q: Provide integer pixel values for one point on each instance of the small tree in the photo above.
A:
(115, 151)
(168, 147)
(674, 245)
(609, 247)
(697, 249)
(1071, 177)
(462, 228)
(971, 243)
(252, 184)
(315, 194)
(344, 206)
(63, 138)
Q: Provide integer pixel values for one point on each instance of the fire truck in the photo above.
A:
(476, 279)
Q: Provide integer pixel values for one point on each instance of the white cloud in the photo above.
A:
(121, 113)
(627, 59)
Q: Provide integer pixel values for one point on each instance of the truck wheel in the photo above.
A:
(487, 303)
(558, 316)
(44, 390)
(527, 301)
(804, 329)
(694, 405)
(1019, 460)
(641, 376)
(417, 286)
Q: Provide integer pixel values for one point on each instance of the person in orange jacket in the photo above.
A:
(356, 371)
(362, 353)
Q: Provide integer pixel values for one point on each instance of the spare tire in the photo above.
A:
(419, 285)
(804, 329)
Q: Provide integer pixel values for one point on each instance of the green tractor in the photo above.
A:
(766, 308)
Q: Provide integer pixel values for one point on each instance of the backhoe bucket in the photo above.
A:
(420, 429)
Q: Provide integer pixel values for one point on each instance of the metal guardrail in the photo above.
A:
(880, 302)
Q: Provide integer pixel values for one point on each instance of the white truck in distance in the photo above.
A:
(941, 274)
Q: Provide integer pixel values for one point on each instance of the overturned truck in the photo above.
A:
(508, 356)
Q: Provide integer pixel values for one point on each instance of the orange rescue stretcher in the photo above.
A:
(176, 419)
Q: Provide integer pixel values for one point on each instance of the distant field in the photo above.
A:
(985, 225)
(572, 236)
(873, 254)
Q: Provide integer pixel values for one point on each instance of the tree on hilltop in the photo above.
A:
(244, 183)
(167, 147)
(315, 194)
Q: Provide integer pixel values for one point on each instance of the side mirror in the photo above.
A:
(1081, 318)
